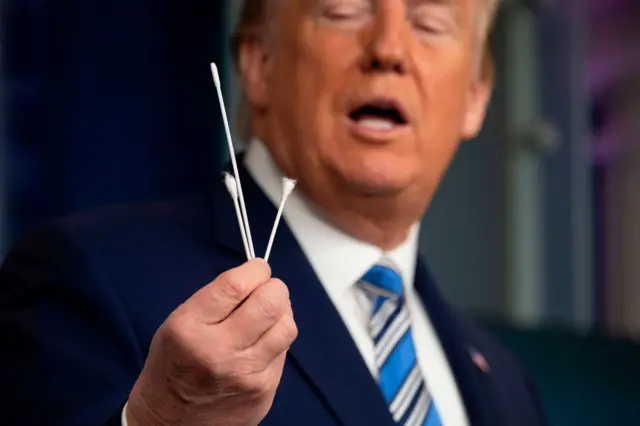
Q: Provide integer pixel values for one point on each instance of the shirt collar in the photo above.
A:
(338, 259)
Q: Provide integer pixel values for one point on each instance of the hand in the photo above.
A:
(218, 358)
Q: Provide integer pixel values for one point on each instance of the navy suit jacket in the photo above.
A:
(80, 301)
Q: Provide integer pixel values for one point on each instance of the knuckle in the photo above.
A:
(173, 329)
(219, 365)
(247, 366)
(290, 329)
(264, 384)
(230, 363)
(273, 299)
(257, 384)
(245, 379)
(269, 304)
(280, 288)
(233, 286)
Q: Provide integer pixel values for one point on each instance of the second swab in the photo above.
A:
(287, 187)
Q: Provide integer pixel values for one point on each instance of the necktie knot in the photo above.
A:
(383, 280)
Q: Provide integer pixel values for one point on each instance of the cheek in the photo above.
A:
(442, 111)
(304, 122)
(319, 127)
(442, 80)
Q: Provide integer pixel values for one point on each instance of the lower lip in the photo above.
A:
(377, 135)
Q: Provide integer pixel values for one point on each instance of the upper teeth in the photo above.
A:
(376, 123)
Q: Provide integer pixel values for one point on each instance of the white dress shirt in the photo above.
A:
(339, 261)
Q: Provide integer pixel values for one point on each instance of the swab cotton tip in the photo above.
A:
(215, 74)
(288, 185)
(287, 188)
(230, 183)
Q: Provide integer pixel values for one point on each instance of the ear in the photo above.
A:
(478, 100)
(253, 71)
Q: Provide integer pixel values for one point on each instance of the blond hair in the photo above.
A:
(250, 27)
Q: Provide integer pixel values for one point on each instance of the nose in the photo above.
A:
(387, 44)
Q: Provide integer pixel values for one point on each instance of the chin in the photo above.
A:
(374, 189)
(384, 180)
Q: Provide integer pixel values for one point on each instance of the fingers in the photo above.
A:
(264, 308)
(218, 299)
(277, 339)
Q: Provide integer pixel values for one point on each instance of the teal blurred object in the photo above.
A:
(583, 380)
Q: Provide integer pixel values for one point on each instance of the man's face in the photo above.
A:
(362, 98)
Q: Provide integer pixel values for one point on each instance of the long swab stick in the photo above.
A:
(232, 187)
(287, 187)
(245, 218)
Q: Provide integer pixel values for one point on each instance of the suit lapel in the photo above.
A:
(324, 351)
(474, 382)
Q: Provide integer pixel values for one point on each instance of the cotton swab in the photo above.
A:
(232, 187)
(240, 197)
(287, 188)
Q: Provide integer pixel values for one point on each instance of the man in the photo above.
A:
(107, 317)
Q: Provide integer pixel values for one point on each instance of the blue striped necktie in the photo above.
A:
(400, 378)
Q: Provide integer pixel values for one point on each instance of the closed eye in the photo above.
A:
(431, 26)
(352, 15)
(346, 10)
(433, 19)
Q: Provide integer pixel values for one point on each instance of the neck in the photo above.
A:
(376, 220)
(386, 236)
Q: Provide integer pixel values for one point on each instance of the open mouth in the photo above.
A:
(379, 115)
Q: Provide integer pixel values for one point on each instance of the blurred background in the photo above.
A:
(535, 230)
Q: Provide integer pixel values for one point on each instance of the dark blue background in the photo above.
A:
(108, 102)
